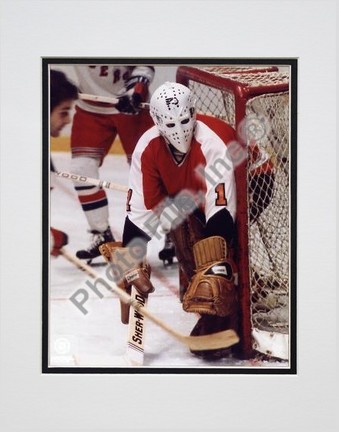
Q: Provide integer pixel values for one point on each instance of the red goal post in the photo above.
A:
(254, 100)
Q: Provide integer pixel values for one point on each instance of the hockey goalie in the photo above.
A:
(181, 181)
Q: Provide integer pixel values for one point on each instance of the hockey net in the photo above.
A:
(255, 102)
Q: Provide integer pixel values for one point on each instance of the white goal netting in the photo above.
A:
(256, 100)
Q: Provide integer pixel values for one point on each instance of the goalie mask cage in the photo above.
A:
(255, 102)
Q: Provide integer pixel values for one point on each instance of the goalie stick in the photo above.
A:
(222, 339)
(136, 330)
(105, 99)
(92, 181)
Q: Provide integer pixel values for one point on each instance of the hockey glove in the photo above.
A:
(136, 93)
(127, 271)
(58, 240)
(212, 290)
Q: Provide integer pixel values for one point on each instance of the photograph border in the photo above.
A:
(292, 63)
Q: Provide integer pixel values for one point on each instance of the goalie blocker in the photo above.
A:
(129, 271)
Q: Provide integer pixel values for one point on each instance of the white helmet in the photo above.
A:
(172, 109)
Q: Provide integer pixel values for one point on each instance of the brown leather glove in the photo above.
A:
(212, 290)
(126, 268)
(127, 271)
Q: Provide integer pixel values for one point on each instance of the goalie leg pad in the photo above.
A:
(184, 237)
(208, 324)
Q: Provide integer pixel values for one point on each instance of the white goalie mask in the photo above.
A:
(172, 109)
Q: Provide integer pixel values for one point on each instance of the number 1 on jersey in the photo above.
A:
(221, 195)
(129, 196)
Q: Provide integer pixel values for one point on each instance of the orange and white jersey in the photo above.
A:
(108, 81)
(205, 174)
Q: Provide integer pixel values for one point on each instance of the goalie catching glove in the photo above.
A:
(212, 290)
(128, 271)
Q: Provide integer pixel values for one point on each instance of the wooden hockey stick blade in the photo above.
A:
(106, 99)
(223, 339)
(88, 180)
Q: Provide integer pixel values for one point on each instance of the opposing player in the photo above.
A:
(182, 178)
(63, 94)
(95, 127)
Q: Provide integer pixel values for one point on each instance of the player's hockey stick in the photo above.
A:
(105, 99)
(222, 339)
(92, 181)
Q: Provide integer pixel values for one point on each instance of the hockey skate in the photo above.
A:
(167, 254)
(92, 252)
